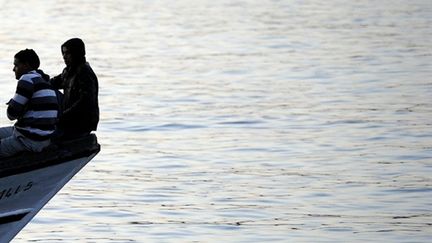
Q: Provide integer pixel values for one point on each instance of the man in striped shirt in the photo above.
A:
(34, 106)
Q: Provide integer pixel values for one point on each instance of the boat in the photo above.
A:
(28, 181)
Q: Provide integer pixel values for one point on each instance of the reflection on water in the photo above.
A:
(244, 121)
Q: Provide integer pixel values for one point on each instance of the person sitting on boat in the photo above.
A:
(35, 107)
(80, 108)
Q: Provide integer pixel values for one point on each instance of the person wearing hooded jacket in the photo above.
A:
(80, 108)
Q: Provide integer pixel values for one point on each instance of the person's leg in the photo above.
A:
(6, 132)
(10, 145)
(34, 146)
(31, 145)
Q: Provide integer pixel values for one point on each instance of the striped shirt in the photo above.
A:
(35, 107)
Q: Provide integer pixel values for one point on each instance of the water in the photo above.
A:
(242, 121)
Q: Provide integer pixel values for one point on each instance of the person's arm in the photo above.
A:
(17, 105)
(57, 82)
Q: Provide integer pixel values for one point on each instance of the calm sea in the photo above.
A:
(242, 121)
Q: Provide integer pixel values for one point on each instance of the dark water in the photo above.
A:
(242, 121)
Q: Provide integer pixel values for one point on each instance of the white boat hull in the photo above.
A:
(24, 192)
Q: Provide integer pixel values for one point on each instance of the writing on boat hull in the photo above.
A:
(13, 191)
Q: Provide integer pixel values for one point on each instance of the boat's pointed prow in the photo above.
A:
(29, 181)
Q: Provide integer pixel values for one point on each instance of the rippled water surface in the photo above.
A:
(242, 121)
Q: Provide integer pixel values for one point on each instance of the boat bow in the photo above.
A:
(30, 180)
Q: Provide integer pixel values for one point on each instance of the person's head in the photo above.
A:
(73, 52)
(25, 61)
